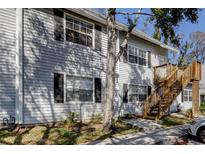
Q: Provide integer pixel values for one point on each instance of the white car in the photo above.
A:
(197, 128)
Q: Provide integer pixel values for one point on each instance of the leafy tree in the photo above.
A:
(165, 22)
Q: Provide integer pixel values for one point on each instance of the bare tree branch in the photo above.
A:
(140, 13)
(132, 24)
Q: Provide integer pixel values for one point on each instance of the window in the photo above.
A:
(136, 56)
(132, 54)
(135, 93)
(58, 88)
(187, 95)
(79, 88)
(79, 31)
(142, 57)
(98, 91)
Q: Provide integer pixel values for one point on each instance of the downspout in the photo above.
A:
(19, 102)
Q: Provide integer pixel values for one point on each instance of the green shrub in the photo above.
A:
(202, 108)
(71, 118)
(67, 137)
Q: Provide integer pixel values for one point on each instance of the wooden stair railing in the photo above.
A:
(169, 88)
(154, 98)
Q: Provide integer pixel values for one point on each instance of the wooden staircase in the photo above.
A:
(170, 81)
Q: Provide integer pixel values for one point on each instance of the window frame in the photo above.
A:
(128, 87)
(138, 48)
(79, 77)
(77, 102)
(79, 19)
(188, 95)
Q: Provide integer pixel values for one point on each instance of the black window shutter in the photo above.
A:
(98, 39)
(149, 59)
(182, 95)
(149, 90)
(125, 93)
(125, 56)
(98, 90)
(58, 88)
(58, 25)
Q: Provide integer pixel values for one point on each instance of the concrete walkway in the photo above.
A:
(153, 133)
(145, 124)
(158, 136)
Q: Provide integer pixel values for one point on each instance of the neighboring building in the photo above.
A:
(202, 85)
(53, 62)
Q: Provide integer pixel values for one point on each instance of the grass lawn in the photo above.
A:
(63, 133)
(169, 121)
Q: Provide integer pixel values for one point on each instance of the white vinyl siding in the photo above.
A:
(43, 55)
(7, 62)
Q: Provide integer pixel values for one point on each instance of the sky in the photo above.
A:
(185, 28)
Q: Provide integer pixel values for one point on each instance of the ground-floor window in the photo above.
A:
(77, 89)
(187, 95)
(134, 93)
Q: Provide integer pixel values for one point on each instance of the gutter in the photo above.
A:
(102, 19)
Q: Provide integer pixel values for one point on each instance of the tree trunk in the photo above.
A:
(110, 70)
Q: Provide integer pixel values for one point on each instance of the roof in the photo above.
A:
(102, 19)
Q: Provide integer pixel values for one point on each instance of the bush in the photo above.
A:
(202, 107)
(71, 118)
(202, 103)
(67, 137)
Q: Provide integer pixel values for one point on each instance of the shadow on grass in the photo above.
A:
(66, 137)
(19, 137)
(46, 133)
(174, 121)
(17, 134)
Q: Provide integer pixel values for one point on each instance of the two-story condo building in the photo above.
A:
(53, 61)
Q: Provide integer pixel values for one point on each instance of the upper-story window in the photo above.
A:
(136, 55)
(79, 31)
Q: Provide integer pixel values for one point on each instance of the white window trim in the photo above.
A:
(128, 86)
(188, 90)
(131, 44)
(78, 18)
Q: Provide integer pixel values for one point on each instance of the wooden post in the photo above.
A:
(195, 98)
